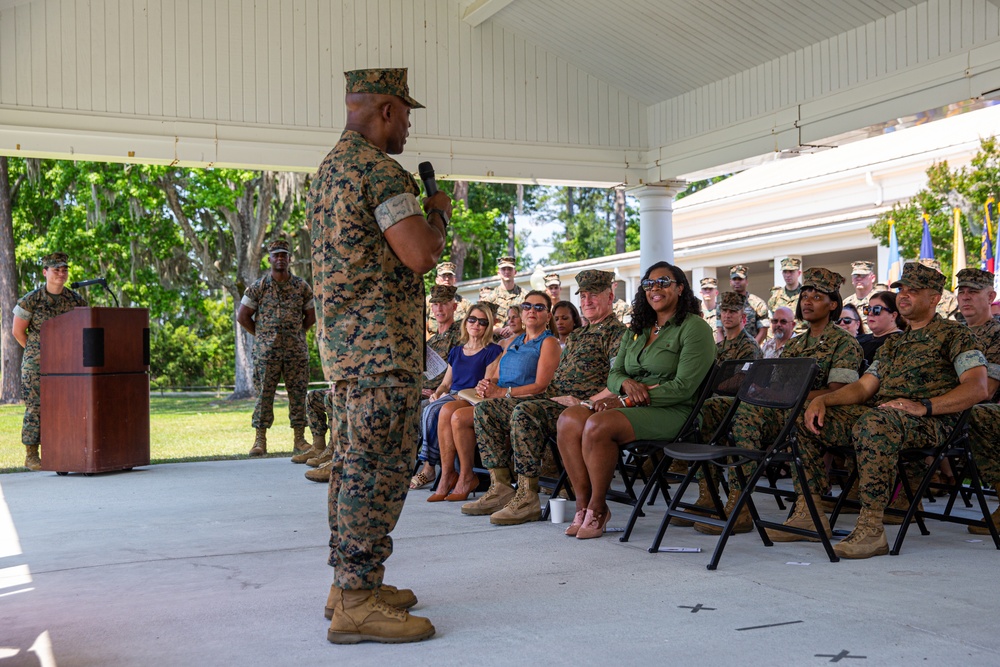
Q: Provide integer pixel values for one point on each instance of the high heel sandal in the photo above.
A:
(436, 497)
(592, 526)
(459, 497)
(577, 522)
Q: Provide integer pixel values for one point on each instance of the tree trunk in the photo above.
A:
(10, 350)
(243, 382)
(460, 248)
(461, 192)
(619, 220)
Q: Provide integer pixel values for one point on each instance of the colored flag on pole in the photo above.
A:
(895, 262)
(926, 245)
(986, 251)
(958, 249)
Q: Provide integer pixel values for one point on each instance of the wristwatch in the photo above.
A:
(508, 395)
(926, 402)
(440, 211)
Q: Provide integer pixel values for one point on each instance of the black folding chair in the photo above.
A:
(779, 384)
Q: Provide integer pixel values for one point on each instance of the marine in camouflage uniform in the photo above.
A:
(861, 303)
(503, 297)
(524, 426)
(909, 369)
(975, 290)
(711, 315)
(33, 309)
(442, 341)
(754, 307)
(743, 346)
(781, 296)
(282, 310)
(371, 311)
(446, 276)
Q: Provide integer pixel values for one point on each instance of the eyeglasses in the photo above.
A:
(537, 307)
(472, 319)
(846, 320)
(875, 310)
(783, 321)
(662, 283)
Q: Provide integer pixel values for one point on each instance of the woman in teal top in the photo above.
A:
(654, 381)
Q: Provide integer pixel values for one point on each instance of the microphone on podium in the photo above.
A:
(88, 283)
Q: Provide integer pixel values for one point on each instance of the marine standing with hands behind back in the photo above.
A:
(277, 310)
(31, 311)
(371, 246)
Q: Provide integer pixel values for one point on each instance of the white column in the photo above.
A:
(656, 227)
(700, 272)
(882, 263)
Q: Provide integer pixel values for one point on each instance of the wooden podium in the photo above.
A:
(95, 390)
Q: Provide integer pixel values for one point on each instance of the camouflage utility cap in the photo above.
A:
(732, 301)
(862, 268)
(709, 283)
(594, 281)
(791, 264)
(443, 293)
(505, 262)
(975, 278)
(822, 280)
(738, 271)
(55, 260)
(919, 276)
(383, 82)
(552, 279)
(444, 268)
(279, 245)
(931, 262)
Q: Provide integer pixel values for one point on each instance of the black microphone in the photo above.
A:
(87, 283)
(426, 171)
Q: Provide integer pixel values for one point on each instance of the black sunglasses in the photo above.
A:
(472, 319)
(662, 283)
(846, 320)
(875, 310)
(539, 307)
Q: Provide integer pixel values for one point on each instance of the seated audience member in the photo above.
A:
(912, 393)
(524, 425)
(975, 294)
(883, 320)
(468, 363)
(515, 324)
(526, 368)
(660, 364)
(783, 327)
(850, 320)
(737, 343)
(565, 318)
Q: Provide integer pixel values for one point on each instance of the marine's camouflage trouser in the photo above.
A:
(318, 408)
(492, 420)
(31, 392)
(984, 436)
(375, 422)
(532, 423)
(877, 435)
(290, 362)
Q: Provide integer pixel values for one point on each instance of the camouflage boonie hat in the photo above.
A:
(552, 279)
(822, 280)
(279, 245)
(932, 263)
(709, 283)
(738, 270)
(383, 82)
(791, 264)
(975, 278)
(594, 280)
(443, 293)
(55, 260)
(732, 301)
(505, 262)
(919, 276)
(862, 268)
(444, 268)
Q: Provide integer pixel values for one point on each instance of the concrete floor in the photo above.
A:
(224, 563)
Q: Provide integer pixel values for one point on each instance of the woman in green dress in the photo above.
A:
(654, 382)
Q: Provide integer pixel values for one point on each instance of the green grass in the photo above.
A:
(182, 428)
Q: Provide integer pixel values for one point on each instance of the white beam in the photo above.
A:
(480, 11)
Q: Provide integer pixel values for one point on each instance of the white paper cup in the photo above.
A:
(557, 510)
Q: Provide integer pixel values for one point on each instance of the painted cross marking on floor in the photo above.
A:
(695, 609)
(840, 656)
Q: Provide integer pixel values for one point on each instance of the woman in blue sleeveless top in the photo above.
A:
(526, 368)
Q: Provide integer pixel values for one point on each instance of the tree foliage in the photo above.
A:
(588, 216)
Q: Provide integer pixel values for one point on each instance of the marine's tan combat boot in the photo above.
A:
(498, 495)
(320, 474)
(901, 504)
(299, 444)
(983, 530)
(744, 523)
(866, 540)
(360, 616)
(322, 458)
(32, 461)
(313, 452)
(800, 519)
(523, 507)
(402, 598)
(260, 443)
(704, 500)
